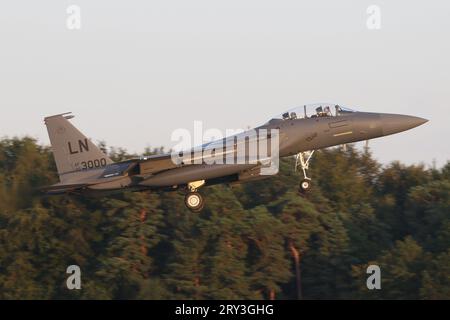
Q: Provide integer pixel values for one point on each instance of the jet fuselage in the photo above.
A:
(84, 169)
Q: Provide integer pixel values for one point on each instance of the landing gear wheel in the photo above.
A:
(194, 201)
(305, 185)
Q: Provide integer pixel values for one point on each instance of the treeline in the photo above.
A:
(259, 240)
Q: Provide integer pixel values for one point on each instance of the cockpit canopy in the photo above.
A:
(313, 111)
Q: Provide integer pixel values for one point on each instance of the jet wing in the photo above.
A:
(60, 188)
(156, 164)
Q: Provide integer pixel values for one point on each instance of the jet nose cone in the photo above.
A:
(394, 123)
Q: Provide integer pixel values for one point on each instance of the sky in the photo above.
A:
(138, 70)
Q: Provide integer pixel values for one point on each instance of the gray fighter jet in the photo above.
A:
(84, 169)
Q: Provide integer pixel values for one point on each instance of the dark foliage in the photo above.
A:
(259, 240)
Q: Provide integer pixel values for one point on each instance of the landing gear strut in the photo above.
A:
(194, 200)
(302, 161)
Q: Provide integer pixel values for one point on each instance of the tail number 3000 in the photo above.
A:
(92, 164)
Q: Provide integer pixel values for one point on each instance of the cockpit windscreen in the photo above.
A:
(313, 111)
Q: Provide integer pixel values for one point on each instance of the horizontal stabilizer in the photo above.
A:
(63, 188)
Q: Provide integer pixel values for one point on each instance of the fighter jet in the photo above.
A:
(84, 169)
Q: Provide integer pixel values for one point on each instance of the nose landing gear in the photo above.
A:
(302, 161)
(194, 200)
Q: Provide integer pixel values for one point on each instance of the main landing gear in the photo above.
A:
(194, 200)
(302, 161)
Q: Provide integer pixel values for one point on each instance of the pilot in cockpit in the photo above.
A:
(289, 116)
(323, 112)
(319, 111)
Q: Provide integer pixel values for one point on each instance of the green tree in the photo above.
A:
(436, 278)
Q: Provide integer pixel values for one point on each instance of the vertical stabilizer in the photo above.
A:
(73, 151)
